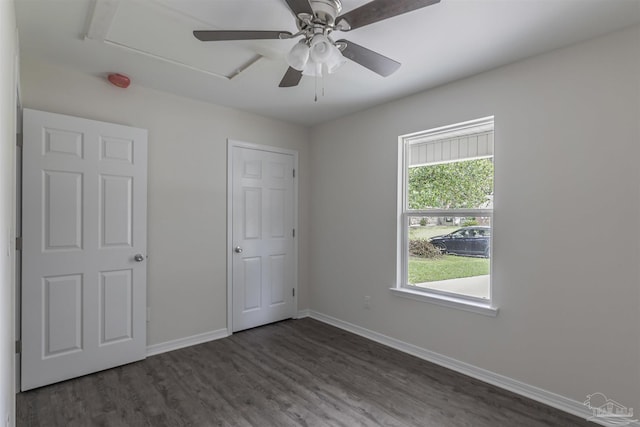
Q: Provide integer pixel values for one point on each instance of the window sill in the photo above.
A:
(447, 301)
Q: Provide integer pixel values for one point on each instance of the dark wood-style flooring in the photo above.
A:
(292, 373)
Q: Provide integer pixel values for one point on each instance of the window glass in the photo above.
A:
(450, 256)
(455, 185)
(447, 210)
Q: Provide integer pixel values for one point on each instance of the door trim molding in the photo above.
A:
(231, 144)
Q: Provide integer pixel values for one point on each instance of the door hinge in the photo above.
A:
(19, 139)
(18, 243)
(294, 173)
(18, 347)
(294, 291)
(293, 232)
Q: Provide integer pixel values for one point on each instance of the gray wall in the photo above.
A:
(566, 240)
(187, 284)
(7, 208)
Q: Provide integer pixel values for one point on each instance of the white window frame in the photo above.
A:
(402, 288)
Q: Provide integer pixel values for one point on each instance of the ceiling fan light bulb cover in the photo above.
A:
(298, 56)
(335, 60)
(320, 49)
(312, 69)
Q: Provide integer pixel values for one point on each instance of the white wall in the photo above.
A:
(187, 186)
(7, 208)
(566, 236)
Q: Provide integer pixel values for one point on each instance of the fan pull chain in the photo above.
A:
(316, 88)
(321, 75)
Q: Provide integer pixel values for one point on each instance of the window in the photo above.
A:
(445, 215)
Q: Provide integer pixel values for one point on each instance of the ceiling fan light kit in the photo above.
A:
(321, 57)
(317, 54)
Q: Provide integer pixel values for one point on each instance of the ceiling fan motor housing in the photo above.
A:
(326, 10)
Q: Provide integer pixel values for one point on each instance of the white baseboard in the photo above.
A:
(166, 346)
(540, 395)
(303, 313)
(163, 347)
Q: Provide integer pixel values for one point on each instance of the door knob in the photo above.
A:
(138, 257)
(238, 250)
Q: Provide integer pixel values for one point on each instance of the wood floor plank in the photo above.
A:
(292, 373)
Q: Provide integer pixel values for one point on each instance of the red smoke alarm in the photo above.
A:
(119, 80)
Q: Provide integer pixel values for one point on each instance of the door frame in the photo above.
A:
(18, 253)
(231, 144)
(18, 226)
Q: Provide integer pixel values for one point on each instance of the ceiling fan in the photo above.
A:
(317, 53)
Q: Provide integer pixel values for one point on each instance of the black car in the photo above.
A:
(474, 240)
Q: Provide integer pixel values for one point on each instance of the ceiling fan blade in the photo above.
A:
(291, 78)
(377, 10)
(369, 59)
(300, 6)
(224, 35)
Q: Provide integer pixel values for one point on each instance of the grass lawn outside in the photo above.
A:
(423, 270)
(430, 231)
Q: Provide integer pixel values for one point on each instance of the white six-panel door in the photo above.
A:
(263, 242)
(84, 247)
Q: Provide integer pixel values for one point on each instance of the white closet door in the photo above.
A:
(263, 241)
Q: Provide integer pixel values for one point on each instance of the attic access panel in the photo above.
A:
(164, 29)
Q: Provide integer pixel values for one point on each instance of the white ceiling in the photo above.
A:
(436, 45)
